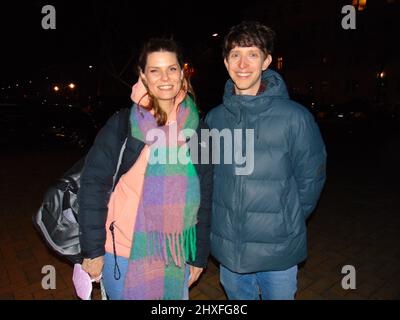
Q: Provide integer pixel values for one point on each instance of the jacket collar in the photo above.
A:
(237, 104)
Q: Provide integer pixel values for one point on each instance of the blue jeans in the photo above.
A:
(272, 285)
(115, 288)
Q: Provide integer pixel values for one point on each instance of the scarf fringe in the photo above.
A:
(174, 246)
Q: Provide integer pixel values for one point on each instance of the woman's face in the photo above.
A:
(163, 75)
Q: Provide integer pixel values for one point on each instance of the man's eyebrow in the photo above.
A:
(243, 52)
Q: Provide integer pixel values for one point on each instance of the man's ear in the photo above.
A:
(267, 62)
(226, 63)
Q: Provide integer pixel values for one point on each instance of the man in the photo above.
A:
(259, 219)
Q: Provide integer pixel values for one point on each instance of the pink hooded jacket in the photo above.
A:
(124, 201)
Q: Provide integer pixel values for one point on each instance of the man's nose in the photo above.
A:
(242, 63)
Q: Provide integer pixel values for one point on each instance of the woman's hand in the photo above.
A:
(94, 267)
(195, 273)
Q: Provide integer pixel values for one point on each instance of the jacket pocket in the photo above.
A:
(122, 212)
(264, 227)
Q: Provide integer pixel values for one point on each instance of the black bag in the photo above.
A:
(57, 218)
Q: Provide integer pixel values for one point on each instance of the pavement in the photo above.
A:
(356, 223)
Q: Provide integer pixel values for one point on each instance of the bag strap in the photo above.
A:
(121, 153)
(124, 124)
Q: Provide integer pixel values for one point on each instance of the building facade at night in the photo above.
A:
(330, 65)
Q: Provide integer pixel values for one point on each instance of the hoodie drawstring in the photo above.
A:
(257, 126)
(240, 117)
(117, 271)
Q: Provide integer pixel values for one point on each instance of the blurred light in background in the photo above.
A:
(360, 4)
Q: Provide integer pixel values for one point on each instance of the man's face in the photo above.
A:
(245, 65)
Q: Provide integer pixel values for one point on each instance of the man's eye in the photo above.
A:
(153, 71)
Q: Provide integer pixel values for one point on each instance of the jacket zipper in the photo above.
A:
(239, 197)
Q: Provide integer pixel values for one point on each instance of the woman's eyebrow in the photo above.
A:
(158, 67)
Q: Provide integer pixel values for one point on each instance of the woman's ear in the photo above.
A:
(142, 76)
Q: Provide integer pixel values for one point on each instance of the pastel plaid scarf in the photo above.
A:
(165, 230)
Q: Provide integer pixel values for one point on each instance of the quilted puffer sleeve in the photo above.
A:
(308, 160)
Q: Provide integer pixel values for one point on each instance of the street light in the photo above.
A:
(56, 88)
(360, 5)
(380, 85)
(71, 86)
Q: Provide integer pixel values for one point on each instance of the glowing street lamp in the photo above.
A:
(56, 88)
(360, 5)
(72, 86)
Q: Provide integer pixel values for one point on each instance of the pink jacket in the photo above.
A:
(124, 201)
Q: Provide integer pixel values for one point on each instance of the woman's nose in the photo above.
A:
(164, 76)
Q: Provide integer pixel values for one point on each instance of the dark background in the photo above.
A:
(348, 79)
(321, 62)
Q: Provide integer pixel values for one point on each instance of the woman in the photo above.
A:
(150, 238)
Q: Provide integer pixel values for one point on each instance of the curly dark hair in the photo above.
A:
(248, 34)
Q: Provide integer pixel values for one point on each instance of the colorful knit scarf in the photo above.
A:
(165, 230)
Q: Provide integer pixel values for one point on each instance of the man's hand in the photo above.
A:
(94, 267)
(195, 273)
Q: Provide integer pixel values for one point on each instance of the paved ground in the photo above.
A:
(356, 223)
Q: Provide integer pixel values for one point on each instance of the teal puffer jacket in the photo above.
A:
(258, 219)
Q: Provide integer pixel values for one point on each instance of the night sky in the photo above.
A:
(109, 34)
(87, 29)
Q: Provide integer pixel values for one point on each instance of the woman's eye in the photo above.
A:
(173, 69)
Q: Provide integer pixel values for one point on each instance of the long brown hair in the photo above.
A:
(162, 45)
